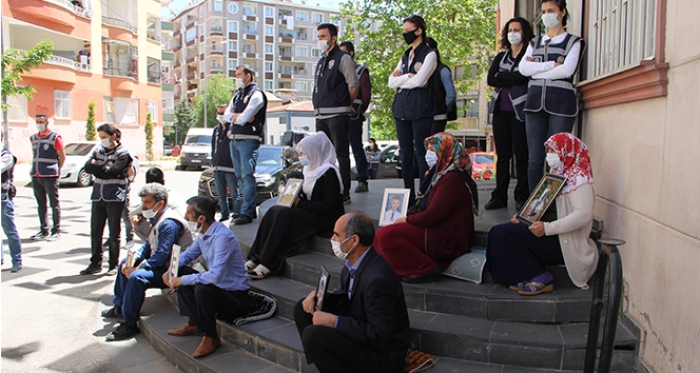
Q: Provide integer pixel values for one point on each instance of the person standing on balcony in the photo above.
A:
(224, 175)
(360, 105)
(246, 113)
(335, 87)
(47, 159)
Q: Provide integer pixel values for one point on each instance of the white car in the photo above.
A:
(77, 153)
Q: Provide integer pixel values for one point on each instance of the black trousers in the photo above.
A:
(209, 302)
(337, 129)
(103, 212)
(334, 352)
(47, 186)
(511, 142)
(438, 126)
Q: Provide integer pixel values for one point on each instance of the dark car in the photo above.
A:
(276, 164)
(387, 163)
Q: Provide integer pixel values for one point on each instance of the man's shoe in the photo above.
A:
(128, 245)
(495, 204)
(207, 346)
(519, 205)
(53, 237)
(346, 199)
(113, 313)
(40, 236)
(223, 219)
(112, 272)
(91, 270)
(243, 219)
(122, 332)
(16, 267)
(362, 187)
(235, 216)
(184, 330)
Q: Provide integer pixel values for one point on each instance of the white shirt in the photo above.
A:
(418, 80)
(547, 69)
(392, 215)
(256, 102)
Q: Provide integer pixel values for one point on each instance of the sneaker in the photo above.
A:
(122, 332)
(113, 313)
(362, 187)
(346, 199)
(90, 270)
(112, 272)
(53, 237)
(495, 204)
(16, 267)
(128, 245)
(223, 219)
(40, 236)
(243, 219)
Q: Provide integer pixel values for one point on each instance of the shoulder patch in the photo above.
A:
(418, 66)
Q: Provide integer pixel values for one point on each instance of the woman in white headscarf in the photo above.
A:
(283, 229)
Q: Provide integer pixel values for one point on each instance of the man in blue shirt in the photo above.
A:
(168, 229)
(220, 292)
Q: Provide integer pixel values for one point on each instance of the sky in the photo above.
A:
(179, 4)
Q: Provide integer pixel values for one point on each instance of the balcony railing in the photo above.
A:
(116, 71)
(154, 78)
(217, 30)
(119, 23)
(66, 4)
(67, 62)
(217, 68)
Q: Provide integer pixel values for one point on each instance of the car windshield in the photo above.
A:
(198, 140)
(79, 149)
(483, 159)
(269, 156)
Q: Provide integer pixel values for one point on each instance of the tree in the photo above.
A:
(184, 119)
(15, 63)
(218, 91)
(148, 128)
(90, 132)
(465, 31)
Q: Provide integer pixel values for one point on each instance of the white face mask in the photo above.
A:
(514, 38)
(431, 158)
(553, 160)
(550, 20)
(41, 127)
(304, 160)
(239, 83)
(194, 227)
(220, 118)
(323, 45)
(150, 214)
(106, 143)
(338, 251)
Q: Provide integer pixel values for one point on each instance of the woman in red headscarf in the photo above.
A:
(517, 254)
(440, 226)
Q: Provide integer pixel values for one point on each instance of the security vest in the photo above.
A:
(184, 241)
(517, 94)
(357, 103)
(45, 156)
(331, 95)
(251, 130)
(8, 176)
(416, 103)
(110, 190)
(221, 149)
(556, 97)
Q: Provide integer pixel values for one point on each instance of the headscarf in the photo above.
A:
(575, 163)
(321, 154)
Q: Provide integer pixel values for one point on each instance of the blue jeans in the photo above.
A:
(244, 154)
(130, 293)
(224, 180)
(355, 138)
(410, 134)
(10, 229)
(539, 126)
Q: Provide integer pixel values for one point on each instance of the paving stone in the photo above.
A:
(522, 309)
(525, 356)
(526, 334)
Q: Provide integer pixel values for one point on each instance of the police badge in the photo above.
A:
(331, 64)
(561, 59)
(417, 66)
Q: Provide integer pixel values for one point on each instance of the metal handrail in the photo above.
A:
(609, 259)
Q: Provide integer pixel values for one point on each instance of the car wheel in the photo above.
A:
(84, 178)
(279, 187)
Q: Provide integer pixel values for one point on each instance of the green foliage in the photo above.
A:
(148, 128)
(184, 119)
(465, 31)
(15, 63)
(218, 91)
(90, 132)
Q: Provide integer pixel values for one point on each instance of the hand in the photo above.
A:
(396, 73)
(324, 319)
(400, 220)
(557, 64)
(514, 219)
(411, 75)
(176, 283)
(308, 303)
(166, 279)
(128, 271)
(135, 220)
(537, 228)
(296, 201)
(529, 59)
(353, 111)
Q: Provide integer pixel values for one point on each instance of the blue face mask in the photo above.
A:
(304, 160)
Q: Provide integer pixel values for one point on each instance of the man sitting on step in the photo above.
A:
(365, 327)
(151, 261)
(222, 291)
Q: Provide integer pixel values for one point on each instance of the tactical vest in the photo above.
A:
(517, 94)
(331, 95)
(416, 103)
(221, 149)
(110, 190)
(251, 130)
(45, 160)
(184, 241)
(357, 103)
(556, 97)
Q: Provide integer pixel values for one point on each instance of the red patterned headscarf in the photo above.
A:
(450, 153)
(575, 163)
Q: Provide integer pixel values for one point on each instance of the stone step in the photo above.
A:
(487, 300)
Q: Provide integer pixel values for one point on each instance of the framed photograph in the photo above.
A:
(291, 191)
(540, 199)
(394, 205)
(324, 279)
(174, 262)
(130, 259)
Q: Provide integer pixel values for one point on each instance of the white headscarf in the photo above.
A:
(321, 154)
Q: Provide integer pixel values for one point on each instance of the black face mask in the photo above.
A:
(410, 37)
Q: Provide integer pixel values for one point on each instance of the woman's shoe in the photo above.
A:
(517, 287)
(259, 272)
(250, 265)
(534, 288)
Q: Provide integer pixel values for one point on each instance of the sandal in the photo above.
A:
(534, 288)
(259, 272)
(250, 265)
(519, 286)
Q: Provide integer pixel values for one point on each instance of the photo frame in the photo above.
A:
(130, 259)
(324, 279)
(174, 263)
(541, 198)
(390, 211)
(290, 193)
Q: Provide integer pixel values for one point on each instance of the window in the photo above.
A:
(232, 46)
(336, 22)
(120, 58)
(232, 26)
(269, 30)
(469, 107)
(315, 52)
(218, 5)
(61, 100)
(302, 86)
(233, 8)
(121, 110)
(317, 18)
(190, 35)
(268, 85)
(248, 48)
(232, 64)
(268, 67)
(302, 52)
(250, 11)
(302, 16)
(269, 48)
(269, 12)
(18, 109)
(250, 28)
(153, 110)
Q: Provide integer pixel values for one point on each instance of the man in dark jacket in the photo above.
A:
(224, 175)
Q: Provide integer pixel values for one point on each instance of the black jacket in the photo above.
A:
(326, 201)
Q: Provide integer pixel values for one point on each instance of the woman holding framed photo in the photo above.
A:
(440, 227)
(283, 229)
(517, 253)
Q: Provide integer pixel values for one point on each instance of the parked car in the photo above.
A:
(483, 165)
(387, 162)
(77, 153)
(276, 164)
(176, 151)
(196, 151)
(167, 150)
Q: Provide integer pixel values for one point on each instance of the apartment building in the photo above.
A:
(277, 39)
(106, 51)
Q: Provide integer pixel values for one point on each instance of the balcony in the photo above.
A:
(216, 51)
(216, 31)
(216, 69)
(59, 15)
(69, 63)
(177, 47)
(119, 23)
(167, 56)
(75, 9)
(154, 78)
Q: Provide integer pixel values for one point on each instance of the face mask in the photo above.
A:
(323, 45)
(106, 143)
(410, 37)
(338, 251)
(431, 158)
(550, 20)
(150, 214)
(41, 127)
(239, 83)
(194, 227)
(220, 118)
(304, 160)
(514, 38)
(553, 160)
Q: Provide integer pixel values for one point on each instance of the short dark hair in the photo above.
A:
(203, 206)
(155, 190)
(247, 70)
(107, 128)
(41, 116)
(349, 46)
(155, 175)
(332, 29)
(562, 6)
(528, 34)
(419, 22)
(360, 224)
